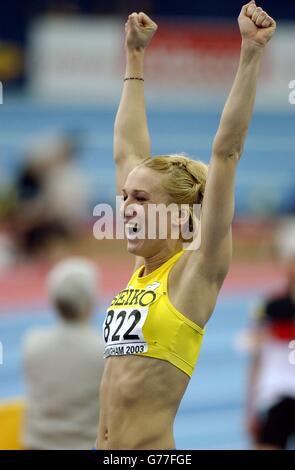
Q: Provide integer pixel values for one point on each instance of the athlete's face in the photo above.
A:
(141, 193)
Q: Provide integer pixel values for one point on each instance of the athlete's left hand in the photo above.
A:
(256, 26)
(139, 31)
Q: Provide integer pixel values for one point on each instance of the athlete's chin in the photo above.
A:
(144, 248)
(140, 247)
(135, 247)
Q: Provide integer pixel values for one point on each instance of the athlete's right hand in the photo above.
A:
(139, 30)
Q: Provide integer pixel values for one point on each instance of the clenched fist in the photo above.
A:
(255, 24)
(139, 30)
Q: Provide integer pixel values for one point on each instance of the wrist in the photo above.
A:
(251, 53)
(134, 54)
(252, 47)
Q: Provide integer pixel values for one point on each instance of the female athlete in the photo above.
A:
(154, 327)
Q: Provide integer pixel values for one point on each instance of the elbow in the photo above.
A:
(228, 152)
(228, 147)
(228, 155)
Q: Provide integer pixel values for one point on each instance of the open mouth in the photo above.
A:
(132, 230)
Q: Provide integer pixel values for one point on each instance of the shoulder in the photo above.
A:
(94, 338)
(36, 342)
(89, 342)
(36, 337)
(90, 349)
(195, 295)
(191, 269)
(279, 307)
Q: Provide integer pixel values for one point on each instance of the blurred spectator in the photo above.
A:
(63, 365)
(51, 196)
(291, 205)
(271, 392)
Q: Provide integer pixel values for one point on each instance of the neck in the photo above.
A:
(154, 262)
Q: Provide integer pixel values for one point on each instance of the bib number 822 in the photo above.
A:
(118, 328)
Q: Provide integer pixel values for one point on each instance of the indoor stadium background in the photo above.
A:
(61, 67)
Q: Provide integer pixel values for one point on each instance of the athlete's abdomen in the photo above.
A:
(139, 399)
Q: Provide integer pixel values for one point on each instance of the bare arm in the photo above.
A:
(218, 208)
(131, 136)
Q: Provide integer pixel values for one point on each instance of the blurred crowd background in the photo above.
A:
(61, 69)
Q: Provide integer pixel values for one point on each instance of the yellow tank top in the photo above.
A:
(141, 320)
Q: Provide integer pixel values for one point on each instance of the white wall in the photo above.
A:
(82, 60)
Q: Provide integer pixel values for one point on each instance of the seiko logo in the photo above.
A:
(140, 297)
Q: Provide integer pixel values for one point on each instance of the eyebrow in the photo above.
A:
(136, 191)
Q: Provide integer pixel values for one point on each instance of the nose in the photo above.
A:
(128, 211)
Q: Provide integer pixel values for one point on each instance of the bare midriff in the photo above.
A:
(139, 398)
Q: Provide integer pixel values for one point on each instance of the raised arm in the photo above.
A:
(131, 136)
(256, 28)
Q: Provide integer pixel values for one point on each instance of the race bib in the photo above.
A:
(122, 331)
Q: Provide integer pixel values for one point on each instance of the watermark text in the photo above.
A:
(292, 92)
(149, 222)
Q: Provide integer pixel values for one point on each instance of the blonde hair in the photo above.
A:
(184, 180)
